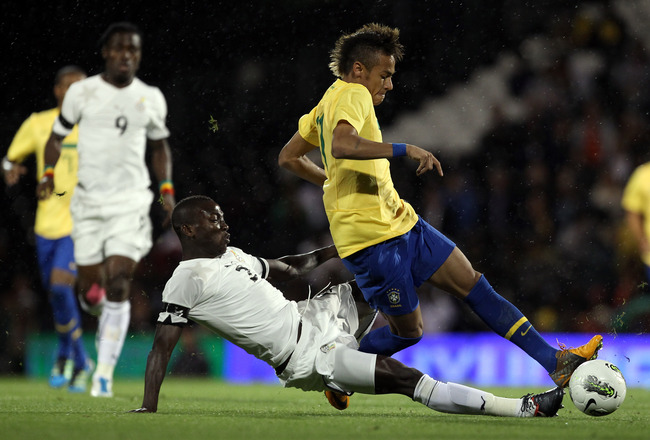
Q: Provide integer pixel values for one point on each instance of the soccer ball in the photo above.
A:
(597, 387)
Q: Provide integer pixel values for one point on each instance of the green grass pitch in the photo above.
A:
(193, 409)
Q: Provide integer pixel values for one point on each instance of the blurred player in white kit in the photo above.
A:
(118, 117)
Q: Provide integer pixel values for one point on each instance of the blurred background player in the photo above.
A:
(379, 237)
(119, 117)
(52, 227)
(636, 203)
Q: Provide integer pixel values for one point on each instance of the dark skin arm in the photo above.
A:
(347, 144)
(293, 157)
(167, 336)
(294, 266)
(164, 341)
(161, 164)
(52, 152)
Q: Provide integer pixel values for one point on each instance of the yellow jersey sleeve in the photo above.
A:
(307, 128)
(25, 141)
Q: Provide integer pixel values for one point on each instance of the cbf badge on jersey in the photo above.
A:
(394, 298)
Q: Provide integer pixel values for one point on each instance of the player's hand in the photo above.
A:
(427, 160)
(142, 410)
(168, 202)
(45, 188)
(12, 176)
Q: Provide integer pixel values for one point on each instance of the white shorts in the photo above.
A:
(327, 356)
(102, 231)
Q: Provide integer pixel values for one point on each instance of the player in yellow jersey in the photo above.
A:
(378, 235)
(52, 228)
(636, 203)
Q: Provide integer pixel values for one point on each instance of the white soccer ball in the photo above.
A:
(597, 387)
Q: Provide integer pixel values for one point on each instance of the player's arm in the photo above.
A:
(293, 266)
(52, 153)
(293, 157)
(165, 339)
(347, 144)
(22, 145)
(161, 164)
(12, 171)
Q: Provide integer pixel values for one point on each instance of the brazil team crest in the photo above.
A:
(394, 297)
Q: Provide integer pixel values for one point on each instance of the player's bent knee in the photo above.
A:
(407, 326)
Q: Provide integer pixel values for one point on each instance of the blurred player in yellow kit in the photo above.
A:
(52, 228)
(636, 203)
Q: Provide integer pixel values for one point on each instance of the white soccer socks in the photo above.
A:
(111, 333)
(459, 399)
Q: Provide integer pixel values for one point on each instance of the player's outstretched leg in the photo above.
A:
(507, 321)
(449, 397)
(568, 359)
(545, 404)
(353, 371)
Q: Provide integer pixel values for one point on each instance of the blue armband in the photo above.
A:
(399, 150)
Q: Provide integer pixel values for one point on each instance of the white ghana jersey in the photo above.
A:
(231, 296)
(114, 125)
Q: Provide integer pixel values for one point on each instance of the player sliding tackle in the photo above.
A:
(312, 344)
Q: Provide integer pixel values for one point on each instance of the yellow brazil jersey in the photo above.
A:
(53, 218)
(636, 198)
(360, 200)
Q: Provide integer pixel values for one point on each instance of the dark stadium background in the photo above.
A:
(256, 67)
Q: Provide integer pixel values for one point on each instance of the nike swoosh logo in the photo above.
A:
(524, 333)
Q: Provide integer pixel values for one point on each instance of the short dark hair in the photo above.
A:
(67, 70)
(364, 45)
(119, 27)
(182, 212)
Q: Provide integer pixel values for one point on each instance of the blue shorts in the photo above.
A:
(388, 273)
(55, 254)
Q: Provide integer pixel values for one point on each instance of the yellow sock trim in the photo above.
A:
(76, 334)
(515, 327)
(65, 328)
